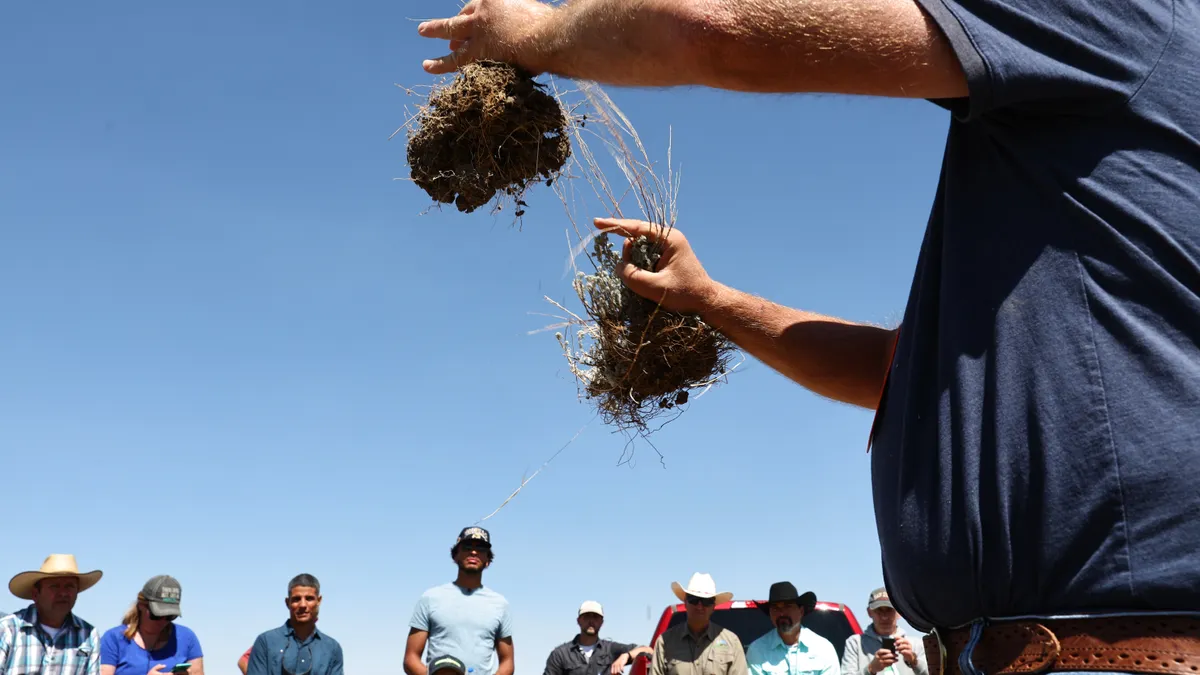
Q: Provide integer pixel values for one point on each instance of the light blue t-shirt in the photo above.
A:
(130, 659)
(464, 624)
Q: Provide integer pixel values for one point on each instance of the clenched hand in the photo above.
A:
(680, 282)
(498, 30)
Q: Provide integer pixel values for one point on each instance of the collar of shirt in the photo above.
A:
(777, 643)
(28, 618)
(710, 633)
(899, 632)
(291, 632)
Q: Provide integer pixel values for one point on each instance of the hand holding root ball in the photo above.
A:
(679, 282)
(493, 30)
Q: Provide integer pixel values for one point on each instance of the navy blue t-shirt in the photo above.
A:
(1038, 443)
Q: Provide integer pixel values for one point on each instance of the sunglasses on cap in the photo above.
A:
(703, 602)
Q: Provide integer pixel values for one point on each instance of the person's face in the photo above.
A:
(590, 623)
(55, 597)
(303, 604)
(473, 555)
(786, 616)
(884, 619)
(699, 610)
(150, 621)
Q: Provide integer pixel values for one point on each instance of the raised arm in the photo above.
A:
(870, 47)
(837, 359)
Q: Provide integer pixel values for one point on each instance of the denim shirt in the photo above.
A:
(318, 655)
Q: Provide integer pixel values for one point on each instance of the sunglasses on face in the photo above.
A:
(161, 618)
(703, 602)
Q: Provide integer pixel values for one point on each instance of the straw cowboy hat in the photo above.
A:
(701, 586)
(57, 565)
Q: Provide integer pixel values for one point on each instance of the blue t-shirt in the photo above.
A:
(130, 659)
(463, 624)
(1037, 450)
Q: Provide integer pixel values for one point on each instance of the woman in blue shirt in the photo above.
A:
(148, 641)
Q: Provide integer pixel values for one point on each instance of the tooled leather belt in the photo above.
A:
(1143, 644)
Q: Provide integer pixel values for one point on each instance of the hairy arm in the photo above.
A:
(869, 47)
(837, 359)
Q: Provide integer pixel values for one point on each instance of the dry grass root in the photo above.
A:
(492, 130)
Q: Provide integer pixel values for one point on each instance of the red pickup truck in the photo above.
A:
(832, 621)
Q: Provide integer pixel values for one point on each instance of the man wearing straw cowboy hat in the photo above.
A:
(46, 638)
(698, 646)
(791, 648)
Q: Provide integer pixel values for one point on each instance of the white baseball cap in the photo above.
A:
(591, 607)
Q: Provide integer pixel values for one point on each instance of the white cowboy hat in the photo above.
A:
(56, 565)
(701, 586)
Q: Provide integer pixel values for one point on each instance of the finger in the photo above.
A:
(625, 227)
(454, 28)
(447, 64)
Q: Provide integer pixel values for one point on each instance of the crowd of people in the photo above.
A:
(458, 628)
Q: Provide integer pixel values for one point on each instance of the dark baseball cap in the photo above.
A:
(163, 594)
(474, 534)
(444, 663)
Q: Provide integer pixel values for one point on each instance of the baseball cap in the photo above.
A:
(443, 663)
(474, 534)
(591, 607)
(163, 593)
(879, 598)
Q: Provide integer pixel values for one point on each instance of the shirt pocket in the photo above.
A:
(80, 656)
(719, 661)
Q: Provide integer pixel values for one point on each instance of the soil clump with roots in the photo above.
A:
(492, 130)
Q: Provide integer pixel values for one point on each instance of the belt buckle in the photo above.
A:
(941, 644)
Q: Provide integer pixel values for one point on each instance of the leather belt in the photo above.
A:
(1169, 645)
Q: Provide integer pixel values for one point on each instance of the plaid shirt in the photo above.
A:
(26, 649)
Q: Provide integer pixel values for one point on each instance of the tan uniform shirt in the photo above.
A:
(716, 651)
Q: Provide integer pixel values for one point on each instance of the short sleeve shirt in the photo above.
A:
(464, 623)
(1037, 447)
(129, 659)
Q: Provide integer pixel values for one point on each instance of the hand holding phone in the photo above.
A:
(181, 667)
(889, 643)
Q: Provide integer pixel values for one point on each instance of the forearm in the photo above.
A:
(834, 358)
(413, 665)
(875, 47)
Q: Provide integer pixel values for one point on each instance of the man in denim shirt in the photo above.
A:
(297, 647)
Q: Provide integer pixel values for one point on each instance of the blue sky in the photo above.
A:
(233, 350)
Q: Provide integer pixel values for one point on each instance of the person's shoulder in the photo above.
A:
(84, 626)
(186, 632)
(333, 643)
(441, 590)
(115, 634)
(761, 642)
(729, 637)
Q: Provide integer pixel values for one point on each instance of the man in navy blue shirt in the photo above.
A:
(1037, 436)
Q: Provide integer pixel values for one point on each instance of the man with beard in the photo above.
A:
(588, 653)
(866, 654)
(463, 618)
(297, 647)
(47, 638)
(791, 648)
(698, 646)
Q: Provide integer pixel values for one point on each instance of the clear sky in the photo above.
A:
(232, 349)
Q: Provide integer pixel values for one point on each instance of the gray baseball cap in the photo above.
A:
(163, 593)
